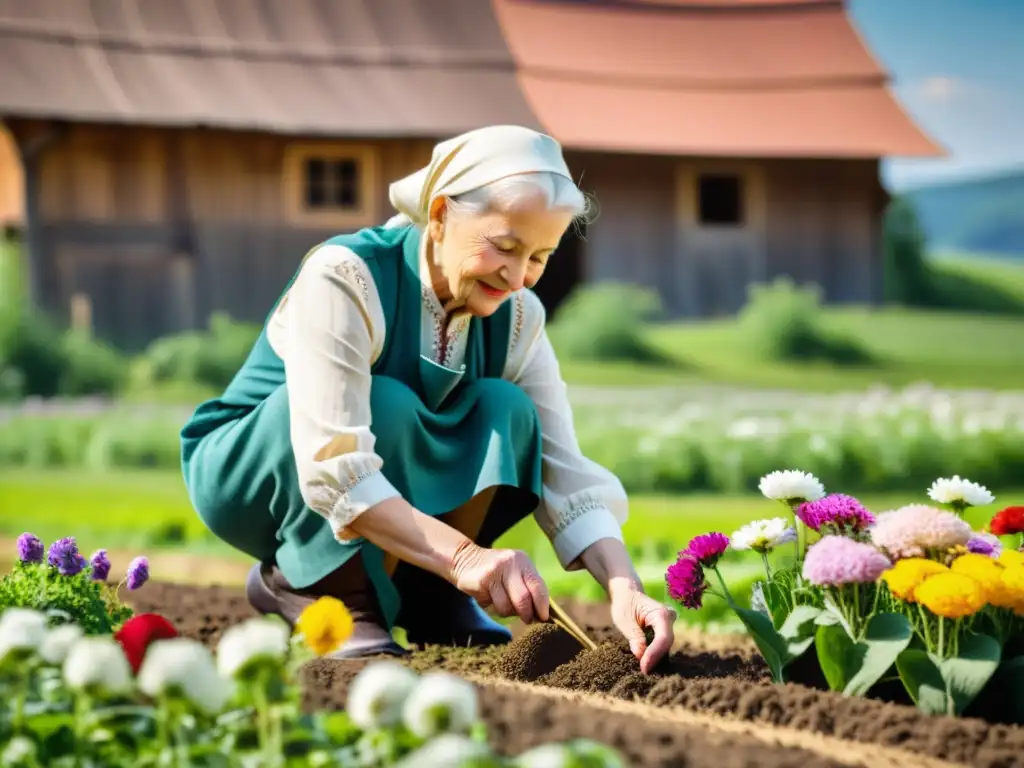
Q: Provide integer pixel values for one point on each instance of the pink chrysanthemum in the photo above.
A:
(686, 583)
(838, 560)
(912, 530)
(837, 512)
(708, 548)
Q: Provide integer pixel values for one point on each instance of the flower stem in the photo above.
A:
(924, 628)
(942, 638)
(767, 566)
(725, 590)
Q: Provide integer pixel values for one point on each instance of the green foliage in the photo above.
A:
(907, 277)
(211, 357)
(947, 686)
(92, 605)
(606, 322)
(783, 321)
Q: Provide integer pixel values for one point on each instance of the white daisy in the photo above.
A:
(182, 666)
(97, 663)
(790, 485)
(58, 641)
(378, 693)
(547, 756)
(958, 491)
(449, 750)
(440, 703)
(21, 633)
(763, 535)
(244, 644)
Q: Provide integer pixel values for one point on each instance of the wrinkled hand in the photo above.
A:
(632, 612)
(503, 578)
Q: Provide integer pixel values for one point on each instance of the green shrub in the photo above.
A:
(783, 321)
(210, 357)
(908, 279)
(606, 322)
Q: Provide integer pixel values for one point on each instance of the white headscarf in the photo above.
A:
(471, 161)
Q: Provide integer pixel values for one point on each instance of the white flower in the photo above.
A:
(763, 535)
(97, 662)
(378, 693)
(249, 641)
(546, 756)
(449, 750)
(21, 632)
(955, 490)
(790, 484)
(183, 666)
(440, 703)
(58, 641)
(19, 751)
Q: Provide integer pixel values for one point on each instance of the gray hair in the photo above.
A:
(507, 193)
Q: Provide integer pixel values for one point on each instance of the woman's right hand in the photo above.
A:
(504, 578)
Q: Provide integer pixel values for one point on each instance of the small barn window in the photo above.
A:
(330, 185)
(720, 200)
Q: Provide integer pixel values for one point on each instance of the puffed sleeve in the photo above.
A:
(328, 330)
(583, 502)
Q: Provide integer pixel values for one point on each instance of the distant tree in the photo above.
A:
(907, 275)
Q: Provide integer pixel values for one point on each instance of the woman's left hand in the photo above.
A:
(632, 613)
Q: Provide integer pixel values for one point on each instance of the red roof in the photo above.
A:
(733, 77)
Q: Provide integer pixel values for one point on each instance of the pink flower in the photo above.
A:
(836, 511)
(838, 560)
(912, 530)
(708, 548)
(685, 581)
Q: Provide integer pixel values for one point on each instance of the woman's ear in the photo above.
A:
(435, 227)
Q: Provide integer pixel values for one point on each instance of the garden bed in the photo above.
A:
(712, 704)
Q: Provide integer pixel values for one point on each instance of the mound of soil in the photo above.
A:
(542, 649)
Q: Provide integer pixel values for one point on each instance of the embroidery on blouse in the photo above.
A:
(354, 271)
(442, 345)
(520, 318)
(576, 506)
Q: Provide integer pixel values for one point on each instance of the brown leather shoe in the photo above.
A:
(435, 612)
(270, 593)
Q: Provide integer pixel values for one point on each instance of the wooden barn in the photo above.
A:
(178, 158)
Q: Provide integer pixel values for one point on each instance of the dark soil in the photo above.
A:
(733, 685)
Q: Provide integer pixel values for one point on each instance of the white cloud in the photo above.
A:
(941, 89)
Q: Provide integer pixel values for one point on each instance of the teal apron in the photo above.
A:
(444, 435)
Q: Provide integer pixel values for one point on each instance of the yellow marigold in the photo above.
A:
(325, 625)
(904, 577)
(988, 573)
(951, 595)
(1011, 557)
(1013, 579)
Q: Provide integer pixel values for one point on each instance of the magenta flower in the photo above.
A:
(100, 565)
(838, 560)
(138, 573)
(685, 581)
(65, 557)
(837, 512)
(30, 548)
(708, 548)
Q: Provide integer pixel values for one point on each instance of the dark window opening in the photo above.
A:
(332, 183)
(720, 199)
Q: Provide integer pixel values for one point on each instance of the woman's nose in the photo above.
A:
(515, 276)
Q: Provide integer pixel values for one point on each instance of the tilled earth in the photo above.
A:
(711, 704)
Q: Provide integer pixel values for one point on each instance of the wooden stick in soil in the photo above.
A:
(562, 619)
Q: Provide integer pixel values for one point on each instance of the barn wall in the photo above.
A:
(159, 228)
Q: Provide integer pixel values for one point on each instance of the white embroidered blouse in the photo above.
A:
(329, 330)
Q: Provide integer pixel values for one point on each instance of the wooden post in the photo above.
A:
(81, 313)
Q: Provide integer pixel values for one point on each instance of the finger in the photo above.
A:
(539, 594)
(500, 600)
(522, 600)
(661, 622)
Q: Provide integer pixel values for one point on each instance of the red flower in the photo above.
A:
(138, 632)
(1008, 522)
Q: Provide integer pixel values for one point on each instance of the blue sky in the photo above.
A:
(958, 69)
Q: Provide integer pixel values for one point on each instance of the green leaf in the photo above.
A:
(772, 645)
(854, 667)
(798, 630)
(948, 686)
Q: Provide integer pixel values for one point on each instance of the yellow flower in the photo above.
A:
(1013, 579)
(904, 577)
(1011, 557)
(988, 573)
(325, 625)
(951, 595)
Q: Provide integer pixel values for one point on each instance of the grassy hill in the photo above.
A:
(981, 216)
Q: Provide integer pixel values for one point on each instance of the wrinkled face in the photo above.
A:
(484, 258)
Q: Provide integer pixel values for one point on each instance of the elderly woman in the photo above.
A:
(403, 408)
